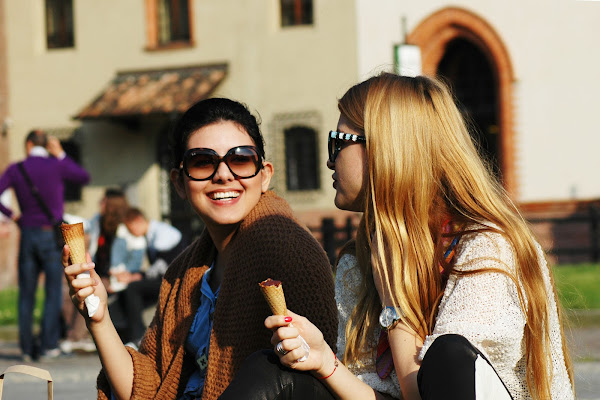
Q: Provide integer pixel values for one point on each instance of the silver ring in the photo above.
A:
(280, 349)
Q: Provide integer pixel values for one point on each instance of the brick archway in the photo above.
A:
(432, 36)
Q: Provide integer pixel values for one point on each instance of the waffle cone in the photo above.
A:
(73, 235)
(273, 292)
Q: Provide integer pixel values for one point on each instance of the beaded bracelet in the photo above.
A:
(335, 365)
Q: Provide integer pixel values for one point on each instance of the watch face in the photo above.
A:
(388, 316)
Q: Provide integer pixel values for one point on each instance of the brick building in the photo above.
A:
(8, 231)
(109, 78)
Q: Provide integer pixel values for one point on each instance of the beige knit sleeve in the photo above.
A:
(485, 307)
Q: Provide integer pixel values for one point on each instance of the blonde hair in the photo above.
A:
(423, 167)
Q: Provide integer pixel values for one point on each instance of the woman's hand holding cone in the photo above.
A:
(292, 336)
(272, 290)
(75, 239)
(82, 287)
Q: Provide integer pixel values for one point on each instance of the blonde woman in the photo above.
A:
(443, 269)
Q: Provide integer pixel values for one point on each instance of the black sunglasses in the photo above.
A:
(336, 140)
(201, 164)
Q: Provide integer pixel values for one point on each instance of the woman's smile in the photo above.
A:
(224, 196)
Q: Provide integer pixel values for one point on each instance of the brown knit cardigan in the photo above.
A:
(270, 243)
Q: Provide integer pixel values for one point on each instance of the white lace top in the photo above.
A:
(347, 284)
(484, 308)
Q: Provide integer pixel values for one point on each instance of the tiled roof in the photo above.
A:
(157, 91)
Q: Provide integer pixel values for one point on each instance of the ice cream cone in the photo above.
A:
(273, 292)
(73, 235)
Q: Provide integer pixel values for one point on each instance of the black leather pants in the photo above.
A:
(448, 371)
(262, 377)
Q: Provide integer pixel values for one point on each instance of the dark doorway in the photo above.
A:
(470, 75)
(72, 190)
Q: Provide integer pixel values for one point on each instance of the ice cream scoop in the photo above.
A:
(273, 292)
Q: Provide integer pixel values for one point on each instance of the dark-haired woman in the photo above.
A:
(195, 344)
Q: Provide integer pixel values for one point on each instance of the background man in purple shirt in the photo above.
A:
(48, 168)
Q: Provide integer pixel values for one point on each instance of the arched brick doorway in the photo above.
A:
(450, 26)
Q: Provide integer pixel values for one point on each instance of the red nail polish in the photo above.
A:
(288, 319)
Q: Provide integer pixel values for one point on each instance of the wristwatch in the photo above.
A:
(388, 317)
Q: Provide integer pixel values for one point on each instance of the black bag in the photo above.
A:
(58, 237)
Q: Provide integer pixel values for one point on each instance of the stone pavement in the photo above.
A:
(585, 351)
(75, 376)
